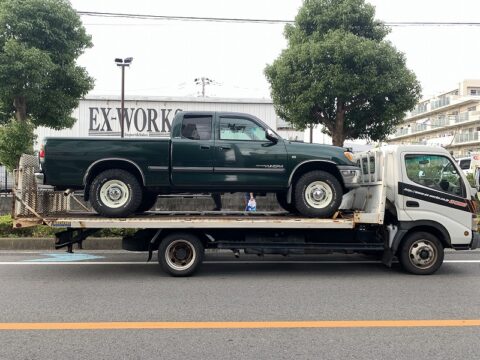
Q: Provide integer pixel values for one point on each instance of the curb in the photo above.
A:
(93, 243)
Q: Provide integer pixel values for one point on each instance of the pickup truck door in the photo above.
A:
(192, 152)
(245, 158)
(432, 188)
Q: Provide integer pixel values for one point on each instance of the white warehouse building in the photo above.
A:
(98, 116)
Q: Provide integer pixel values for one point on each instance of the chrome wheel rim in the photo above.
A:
(318, 194)
(423, 254)
(180, 255)
(114, 193)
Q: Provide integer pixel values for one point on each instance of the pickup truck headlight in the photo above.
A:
(348, 155)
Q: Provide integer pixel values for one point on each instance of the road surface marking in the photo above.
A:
(48, 262)
(241, 325)
(65, 257)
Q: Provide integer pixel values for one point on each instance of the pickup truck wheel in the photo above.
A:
(180, 254)
(282, 201)
(148, 200)
(115, 193)
(421, 253)
(318, 194)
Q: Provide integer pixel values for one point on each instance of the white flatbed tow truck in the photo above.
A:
(413, 202)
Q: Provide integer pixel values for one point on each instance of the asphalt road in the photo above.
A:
(120, 288)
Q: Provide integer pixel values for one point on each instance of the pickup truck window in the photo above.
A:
(241, 129)
(434, 171)
(197, 128)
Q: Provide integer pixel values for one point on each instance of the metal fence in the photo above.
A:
(6, 180)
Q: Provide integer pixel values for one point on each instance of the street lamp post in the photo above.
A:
(123, 63)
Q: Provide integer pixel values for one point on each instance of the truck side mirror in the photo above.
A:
(270, 135)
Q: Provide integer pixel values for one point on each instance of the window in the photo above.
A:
(241, 129)
(434, 171)
(197, 127)
(365, 163)
(474, 91)
(465, 164)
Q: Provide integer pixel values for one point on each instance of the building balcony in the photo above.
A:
(439, 123)
(439, 106)
(470, 137)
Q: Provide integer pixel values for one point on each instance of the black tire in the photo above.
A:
(421, 253)
(148, 200)
(282, 201)
(317, 194)
(180, 254)
(113, 183)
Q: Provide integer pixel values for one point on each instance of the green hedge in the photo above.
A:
(7, 230)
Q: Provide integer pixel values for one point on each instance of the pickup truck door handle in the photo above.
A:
(225, 147)
(413, 204)
(204, 147)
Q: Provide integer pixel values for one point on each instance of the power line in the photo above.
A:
(432, 23)
(255, 21)
(180, 18)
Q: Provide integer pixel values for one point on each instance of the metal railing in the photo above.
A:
(438, 122)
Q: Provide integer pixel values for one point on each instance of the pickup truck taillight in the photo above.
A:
(41, 153)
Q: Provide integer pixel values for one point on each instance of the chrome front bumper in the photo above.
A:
(350, 176)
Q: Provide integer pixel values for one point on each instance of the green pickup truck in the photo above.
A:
(207, 152)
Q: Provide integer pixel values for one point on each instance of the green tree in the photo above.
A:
(16, 138)
(339, 71)
(40, 82)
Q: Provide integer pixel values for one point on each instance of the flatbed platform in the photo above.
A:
(195, 220)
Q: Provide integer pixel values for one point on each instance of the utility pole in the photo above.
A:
(123, 63)
(203, 81)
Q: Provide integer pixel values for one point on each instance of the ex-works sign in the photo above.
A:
(105, 121)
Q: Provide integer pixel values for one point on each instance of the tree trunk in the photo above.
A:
(338, 137)
(20, 104)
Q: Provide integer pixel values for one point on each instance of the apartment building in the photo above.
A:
(451, 120)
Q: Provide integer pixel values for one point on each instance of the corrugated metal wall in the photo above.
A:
(99, 116)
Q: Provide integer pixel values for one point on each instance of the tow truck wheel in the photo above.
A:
(421, 253)
(115, 193)
(318, 194)
(180, 254)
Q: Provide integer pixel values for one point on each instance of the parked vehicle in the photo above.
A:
(469, 164)
(412, 203)
(208, 151)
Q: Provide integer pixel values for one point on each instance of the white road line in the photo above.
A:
(210, 262)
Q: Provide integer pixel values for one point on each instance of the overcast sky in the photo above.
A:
(169, 55)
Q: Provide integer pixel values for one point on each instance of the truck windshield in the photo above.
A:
(434, 171)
